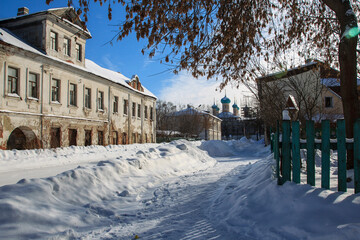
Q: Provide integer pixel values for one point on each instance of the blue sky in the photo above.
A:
(125, 56)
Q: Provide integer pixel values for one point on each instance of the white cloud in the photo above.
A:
(185, 89)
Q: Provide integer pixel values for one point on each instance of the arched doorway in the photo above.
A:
(22, 138)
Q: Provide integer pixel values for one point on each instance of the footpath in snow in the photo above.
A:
(179, 190)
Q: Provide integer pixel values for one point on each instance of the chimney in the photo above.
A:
(22, 11)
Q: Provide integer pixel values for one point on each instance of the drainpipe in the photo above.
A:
(41, 105)
(109, 115)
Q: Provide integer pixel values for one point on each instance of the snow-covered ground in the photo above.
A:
(178, 190)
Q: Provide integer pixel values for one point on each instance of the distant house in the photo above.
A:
(314, 85)
(193, 123)
(52, 96)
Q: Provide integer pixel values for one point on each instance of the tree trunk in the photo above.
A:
(348, 61)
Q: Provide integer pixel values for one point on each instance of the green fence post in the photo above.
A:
(325, 154)
(286, 161)
(296, 151)
(341, 148)
(357, 155)
(310, 162)
(276, 154)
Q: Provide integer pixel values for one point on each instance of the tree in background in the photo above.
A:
(222, 38)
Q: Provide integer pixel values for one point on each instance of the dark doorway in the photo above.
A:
(72, 137)
(124, 136)
(100, 137)
(55, 137)
(22, 138)
(87, 137)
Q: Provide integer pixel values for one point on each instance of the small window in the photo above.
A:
(87, 98)
(101, 100)
(53, 40)
(115, 138)
(133, 109)
(66, 47)
(87, 137)
(72, 137)
(100, 137)
(151, 113)
(145, 112)
(139, 111)
(116, 104)
(125, 106)
(328, 102)
(13, 80)
(55, 90)
(78, 50)
(72, 94)
(33, 85)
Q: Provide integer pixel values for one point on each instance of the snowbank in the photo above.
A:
(82, 197)
(255, 207)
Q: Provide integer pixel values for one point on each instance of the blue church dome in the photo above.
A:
(225, 100)
(235, 106)
(214, 106)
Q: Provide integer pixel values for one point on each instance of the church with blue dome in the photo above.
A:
(233, 126)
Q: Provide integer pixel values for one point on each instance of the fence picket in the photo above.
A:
(296, 151)
(357, 155)
(285, 156)
(325, 154)
(276, 154)
(341, 148)
(310, 144)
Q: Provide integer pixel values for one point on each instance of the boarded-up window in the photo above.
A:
(72, 137)
(55, 137)
(87, 137)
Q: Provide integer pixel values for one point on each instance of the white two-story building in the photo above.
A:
(51, 96)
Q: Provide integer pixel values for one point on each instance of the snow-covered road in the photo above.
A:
(179, 190)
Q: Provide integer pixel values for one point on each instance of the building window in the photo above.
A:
(100, 137)
(125, 106)
(72, 94)
(133, 109)
(139, 111)
(146, 138)
(33, 85)
(55, 90)
(72, 137)
(100, 100)
(151, 113)
(145, 112)
(66, 46)
(87, 98)
(13, 80)
(328, 102)
(55, 135)
(87, 137)
(116, 104)
(53, 40)
(134, 138)
(115, 138)
(124, 138)
(78, 50)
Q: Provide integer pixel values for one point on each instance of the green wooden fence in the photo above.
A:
(287, 152)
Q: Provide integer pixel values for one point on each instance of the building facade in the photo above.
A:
(51, 96)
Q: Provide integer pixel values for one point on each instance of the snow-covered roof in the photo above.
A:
(58, 12)
(7, 37)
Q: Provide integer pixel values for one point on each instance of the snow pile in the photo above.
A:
(92, 195)
(253, 206)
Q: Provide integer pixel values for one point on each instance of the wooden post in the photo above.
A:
(276, 154)
(325, 154)
(286, 161)
(296, 151)
(357, 155)
(341, 148)
(310, 162)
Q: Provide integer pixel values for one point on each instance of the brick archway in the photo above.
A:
(22, 138)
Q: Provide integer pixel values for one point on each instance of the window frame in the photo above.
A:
(57, 88)
(100, 101)
(54, 40)
(67, 47)
(13, 80)
(78, 50)
(87, 98)
(139, 111)
(31, 86)
(73, 97)
(125, 105)
(133, 112)
(145, 112)
(331, 102)
(116, 104)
